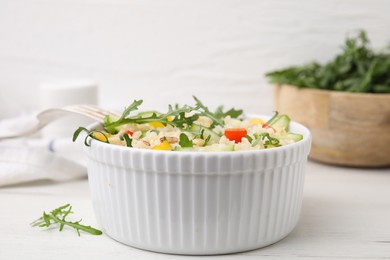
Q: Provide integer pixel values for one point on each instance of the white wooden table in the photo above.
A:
(346, 215)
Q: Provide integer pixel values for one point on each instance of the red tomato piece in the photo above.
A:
(235, 134)
(129, 133)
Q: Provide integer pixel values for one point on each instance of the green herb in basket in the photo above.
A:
(357, 69)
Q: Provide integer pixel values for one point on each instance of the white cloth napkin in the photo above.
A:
(35, 158)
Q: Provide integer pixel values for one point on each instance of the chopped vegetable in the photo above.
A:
(163, 146)
(235, 134)
(256, 121)
(157, 125)
(100, 136)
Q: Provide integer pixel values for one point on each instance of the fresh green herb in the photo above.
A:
(250, 139)
(219, 114)
(78, 132)
(134, 106)
(58, 215)
(207, 139)
(268, 140)
(185, 141)
(90, 134)
(178, 115)
(357, 69)
(127, 139)
(206, 112)
(181, 117)
(182, 121)
(233, 113)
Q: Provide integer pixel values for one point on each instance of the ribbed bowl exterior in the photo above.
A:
(197, 203)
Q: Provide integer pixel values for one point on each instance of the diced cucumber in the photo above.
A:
(195, 127)
(295, 137)
(109, 119)
(209, 148)
(282, 121)
(218, 148)
(289, 136)
(185, 149)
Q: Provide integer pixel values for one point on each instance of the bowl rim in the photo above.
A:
(307, 136)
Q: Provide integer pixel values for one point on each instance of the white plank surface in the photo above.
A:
(345, 215)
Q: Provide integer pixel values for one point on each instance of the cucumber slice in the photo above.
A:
(295, 137)
(282, 121)
(185, 149)
(209, 148)
(218, 148)
(109, 119)
(289, 136)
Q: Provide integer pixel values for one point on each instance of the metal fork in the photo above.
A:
(47, 116)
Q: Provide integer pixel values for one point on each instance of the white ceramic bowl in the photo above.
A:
(198, 203)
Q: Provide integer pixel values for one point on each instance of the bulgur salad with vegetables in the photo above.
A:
(192, 128)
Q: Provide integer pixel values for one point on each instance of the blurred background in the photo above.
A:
(166, 51)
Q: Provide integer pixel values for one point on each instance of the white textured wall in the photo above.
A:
(164, 51)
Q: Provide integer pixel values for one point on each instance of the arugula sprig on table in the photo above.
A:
(357, 69)
(58, 217)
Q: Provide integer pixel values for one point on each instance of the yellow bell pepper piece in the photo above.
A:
(256, 121)
(163, 146)
(157, 125)
(100, 136)
(169, 118)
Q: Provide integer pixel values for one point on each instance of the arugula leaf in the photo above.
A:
(185, 141)
(127, 139)
(87, 140)
(58, 216)
(269, 141)
(206, 112)
(111, 126)
(233, 113)
(182, 121)
(207, 140)
(178, 116)
(219, 114)
(134, 106)
(78, 132)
